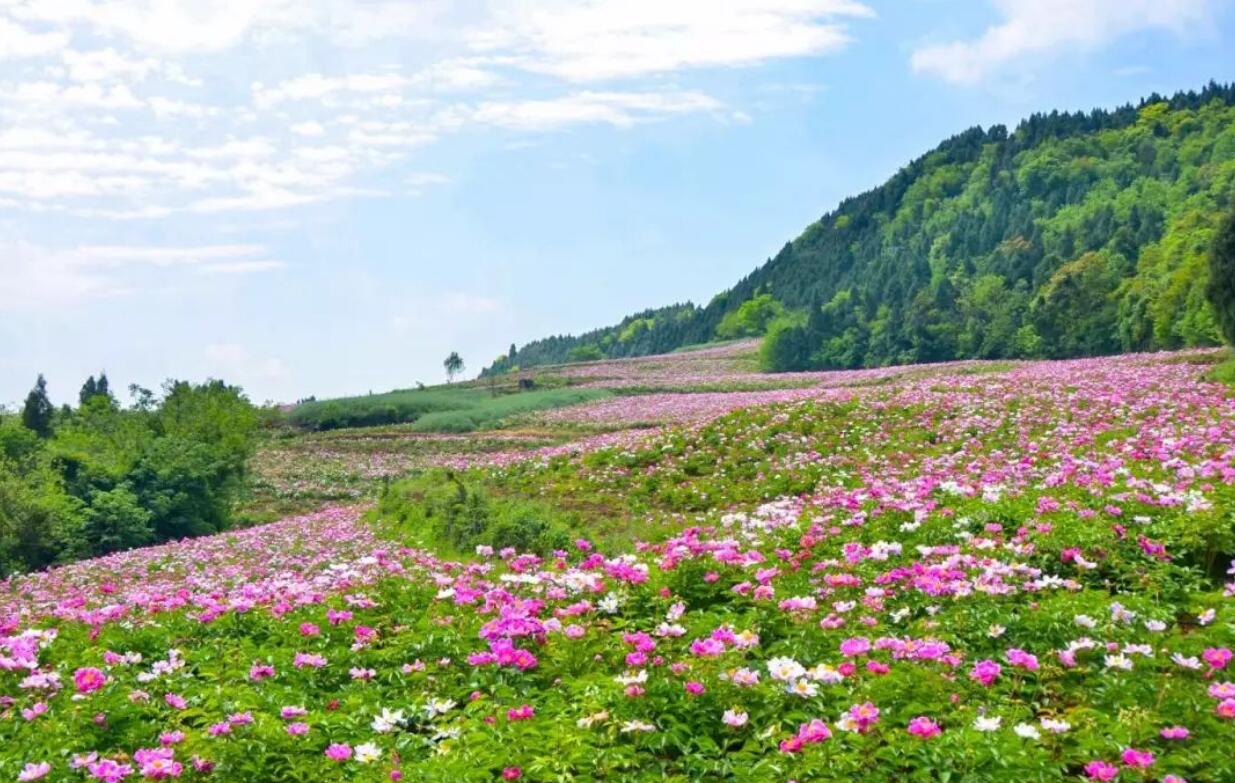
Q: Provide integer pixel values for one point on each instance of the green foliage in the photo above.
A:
(445, 510)
(1074, 234)
(453, 365)
(453, 409)
(38, 411)
(109, 478)
(1221, 289)
(751, 318)
(585, 353)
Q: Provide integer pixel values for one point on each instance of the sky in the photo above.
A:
(325, 197)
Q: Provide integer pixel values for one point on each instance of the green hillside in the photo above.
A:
(1074, 234)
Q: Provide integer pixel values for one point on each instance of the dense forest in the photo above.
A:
(100, 477)
(1074, 234)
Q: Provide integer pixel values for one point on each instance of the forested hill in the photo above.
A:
(1074, 234)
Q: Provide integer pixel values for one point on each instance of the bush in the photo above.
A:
(444, 509)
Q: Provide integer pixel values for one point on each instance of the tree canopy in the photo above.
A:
(1073, 234)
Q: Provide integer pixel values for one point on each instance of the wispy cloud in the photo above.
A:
(127, 109)
(1037, 27)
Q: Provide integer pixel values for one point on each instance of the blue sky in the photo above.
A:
(327, 196)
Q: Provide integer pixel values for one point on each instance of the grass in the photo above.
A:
(437, 409)
(1224, 372)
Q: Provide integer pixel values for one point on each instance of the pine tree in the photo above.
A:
(1221, 289)
(88, 390)
(38, 411)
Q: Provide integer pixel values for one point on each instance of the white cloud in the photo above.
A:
(583, 40)
(1036, 27)
(135, 109)
(620, 109)
(42, 276)
(18, 42)
(123, 255)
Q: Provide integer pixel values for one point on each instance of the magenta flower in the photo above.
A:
(339, 751)
(924, 727)
(1101, 770)
(1137, 758)
(88, 679)
(985, 672)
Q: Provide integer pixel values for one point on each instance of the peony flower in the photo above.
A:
(339, 751)
(735, 717)
(924, 727)
(34, 771)
(89, 679)
(1100, 770)
(1137, 758)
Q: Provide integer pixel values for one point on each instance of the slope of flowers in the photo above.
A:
(1016, 576)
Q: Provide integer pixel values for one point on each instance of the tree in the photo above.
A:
(1221, 288)
(88, 390)
(37, 413)
(453, 365)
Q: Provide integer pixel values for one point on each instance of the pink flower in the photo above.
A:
(219, 729)
(311, 660)
(34, 771)
(985, 672)
(260, 671)
(297, 729)
(1225, 709)
(175, 701)
(1138, 758)
(707, 648)
(109, 771)
(1100, 770)
(169, 738)
(813, 732)
(855, 646)
(1217, 657)
(924, 727)
(89, 679)
(694, 688)
(339, 751)
(1021, 659)
(512, 773)
(525, 712)
(309, 629)
(1175, 733)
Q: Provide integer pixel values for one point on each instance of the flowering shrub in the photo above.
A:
(1018, 575)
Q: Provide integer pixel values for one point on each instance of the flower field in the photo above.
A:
(966, 573)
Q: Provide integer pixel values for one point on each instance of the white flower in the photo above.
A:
(785, 669)
(1084, 621)
(1206, 617)
(1055, 726)
(632, 678)
(609, 604)
(637, 725)
(1119, 661)
(1186, 662)
(986, 723)
(995, 631)
(436, 707)
(804, 688)
(367, 752)
(387, 721)
(1155, 626)
(1027, 731)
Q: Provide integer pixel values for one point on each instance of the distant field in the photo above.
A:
(438, 409)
